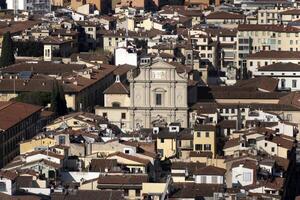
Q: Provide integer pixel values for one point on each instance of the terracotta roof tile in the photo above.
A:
(130, 157)
(117, 88)
(123, 179)
(12, 113)
(224, 15)
(210, 170)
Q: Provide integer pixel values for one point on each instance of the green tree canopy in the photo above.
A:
(58, 101)
(7, 53)
(37, 98)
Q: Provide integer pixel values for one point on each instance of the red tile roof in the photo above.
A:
(130, 157)
(12, 113)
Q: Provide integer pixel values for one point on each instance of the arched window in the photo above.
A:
(116, 105)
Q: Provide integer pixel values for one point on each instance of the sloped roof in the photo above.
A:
(123, 179)
(130, 157)
(210, 170)
(224, 15)
(117, 88)
(12, 113)
(265, 83)
(280, 67)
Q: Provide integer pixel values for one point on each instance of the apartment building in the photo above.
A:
(252, 38)
(205, 139)
(18, 121)
(30, 5)
(104, 6)
(286, 73)
(263, 58)
(222, 18)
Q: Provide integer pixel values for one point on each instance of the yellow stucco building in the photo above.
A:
(205, 139)
(39, 141)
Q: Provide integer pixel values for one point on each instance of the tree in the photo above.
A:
(63, 102)
(7, 54)
(29, 48)
(58, 101)
(3, 4)
(245, 73)
(37, 98)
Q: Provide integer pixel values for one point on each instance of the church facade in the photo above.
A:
(158, 96)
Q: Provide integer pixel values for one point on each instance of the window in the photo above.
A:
(162, 140)
(160, 152)
(127, 151)
(126, 192)
(198, 147)
(273, 149)
(207, 134)
(289, 117)
(2, 187)
(62, 139)
(203, 179)
(247, 176)
(198, 134)
(116, 105)
(214, 179)
(104, 114)
(266, 144)
(294, 83)
(158, 99)
(282, 83)
(123, 115)
(137, 193)
(251, 63)
(207, 147)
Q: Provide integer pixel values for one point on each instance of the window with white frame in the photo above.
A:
(247, 176)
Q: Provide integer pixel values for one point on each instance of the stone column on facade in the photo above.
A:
(148, 91)
(132, 94)
(170, 102)
(147, 119)
(132, 119)
(145, 88)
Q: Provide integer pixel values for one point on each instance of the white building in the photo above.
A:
(125, 56)
(263, 58)
(286, 73)
(243, 172)
(7, 182)
(29, 5)
(210, 175)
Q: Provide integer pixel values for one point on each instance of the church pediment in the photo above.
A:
(160, 64)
